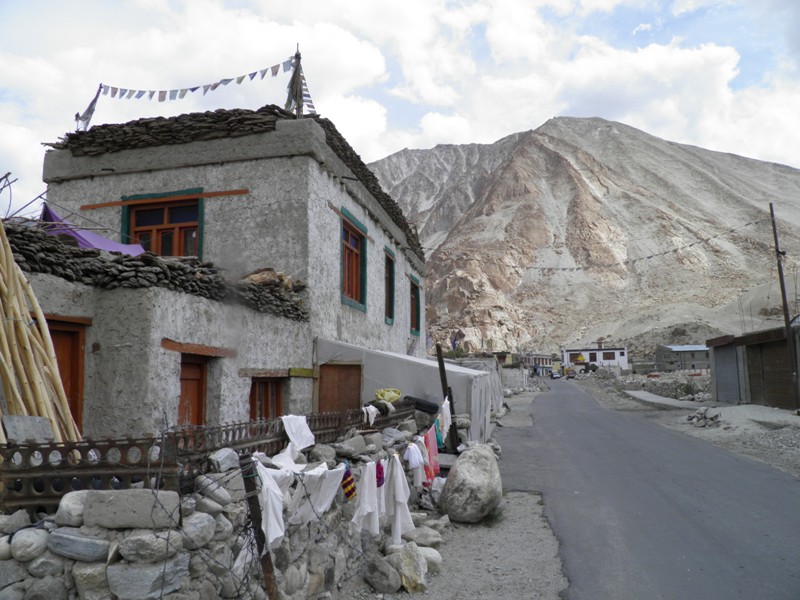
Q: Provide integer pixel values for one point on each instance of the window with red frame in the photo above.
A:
(415, 308)
(169, 229)
(266, 398)
(352, 263)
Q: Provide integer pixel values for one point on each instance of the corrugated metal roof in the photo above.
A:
(688, 348)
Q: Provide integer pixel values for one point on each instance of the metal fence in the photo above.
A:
(35, 476)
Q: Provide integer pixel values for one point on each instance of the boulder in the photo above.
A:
(424, 536)
(224, 459)
(208, 487)
(433, 558)
(198, 529)
(17, 520)
(28, 544)
(473, 488)
(144, 546)
(70, 543)
(412, 567)
(323, 453)
(382, 576)
(70, 509)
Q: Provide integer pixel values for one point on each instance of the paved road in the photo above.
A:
(643, 512)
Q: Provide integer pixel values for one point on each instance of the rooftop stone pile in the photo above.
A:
(37, 252)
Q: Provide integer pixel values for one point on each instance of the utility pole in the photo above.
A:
(786, 319)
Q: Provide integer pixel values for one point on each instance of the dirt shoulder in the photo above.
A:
(775, 442)
(512, 555)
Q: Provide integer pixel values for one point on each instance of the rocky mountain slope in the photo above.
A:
(585, 229)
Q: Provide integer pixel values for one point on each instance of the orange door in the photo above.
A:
(191, 409)
(339, 387)
(68, 343)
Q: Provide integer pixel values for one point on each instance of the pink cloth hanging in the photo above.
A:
(432, 468)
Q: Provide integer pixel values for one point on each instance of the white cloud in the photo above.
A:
(681, 7)
(470, 70)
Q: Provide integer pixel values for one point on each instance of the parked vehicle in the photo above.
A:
(570, 373)
(555, 375)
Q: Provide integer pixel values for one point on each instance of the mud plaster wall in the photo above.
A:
(284, 222)
(132, 384)
(333, 319)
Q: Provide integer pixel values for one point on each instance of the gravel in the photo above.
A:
(514, 554)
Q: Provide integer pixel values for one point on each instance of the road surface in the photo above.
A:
(643, 512)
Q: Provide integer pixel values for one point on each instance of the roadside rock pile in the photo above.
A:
(37, 252)
(670, 385)
(702, 418)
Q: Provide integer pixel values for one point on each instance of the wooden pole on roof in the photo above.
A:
(297, 84)
(790, 341)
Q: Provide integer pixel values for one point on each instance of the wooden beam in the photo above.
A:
(64, 319)
(266, 373)
(198, 349)
(165, 199)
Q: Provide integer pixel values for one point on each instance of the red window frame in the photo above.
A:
(266, 398)
(183, 236)
(415, 307)
(352, 248)
(388, 284)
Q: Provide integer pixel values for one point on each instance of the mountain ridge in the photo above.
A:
(585, 228)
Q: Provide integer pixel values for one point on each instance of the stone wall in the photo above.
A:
(515, 378)
(140, 544)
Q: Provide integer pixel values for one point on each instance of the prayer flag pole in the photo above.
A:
(294, 98)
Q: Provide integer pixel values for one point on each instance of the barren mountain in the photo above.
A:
(585, 229)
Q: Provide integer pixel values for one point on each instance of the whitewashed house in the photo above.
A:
(244, 190)
(580, 358)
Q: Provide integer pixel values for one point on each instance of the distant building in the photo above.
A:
(537, 363)
(693, 357)
(580, 358)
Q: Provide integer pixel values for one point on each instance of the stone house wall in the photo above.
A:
(141, 544)
(289, 220)
(128, 372)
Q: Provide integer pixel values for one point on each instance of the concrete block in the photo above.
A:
(132, 509)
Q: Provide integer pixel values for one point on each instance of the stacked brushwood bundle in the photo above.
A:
(31, 382)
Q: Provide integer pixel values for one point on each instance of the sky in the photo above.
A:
(720, 74)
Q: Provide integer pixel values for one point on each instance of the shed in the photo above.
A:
(728, 370)
(753, 368)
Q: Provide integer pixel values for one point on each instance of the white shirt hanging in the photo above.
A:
(314, 493)
(367, 515)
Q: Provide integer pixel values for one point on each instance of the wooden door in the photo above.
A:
(339, 387)
(68, 343)
(192, 405)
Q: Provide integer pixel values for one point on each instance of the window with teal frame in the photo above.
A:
(415, 304)
(354, 262)
(388, 279)
(164, 225)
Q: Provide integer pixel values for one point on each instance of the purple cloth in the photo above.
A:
(86, 239)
